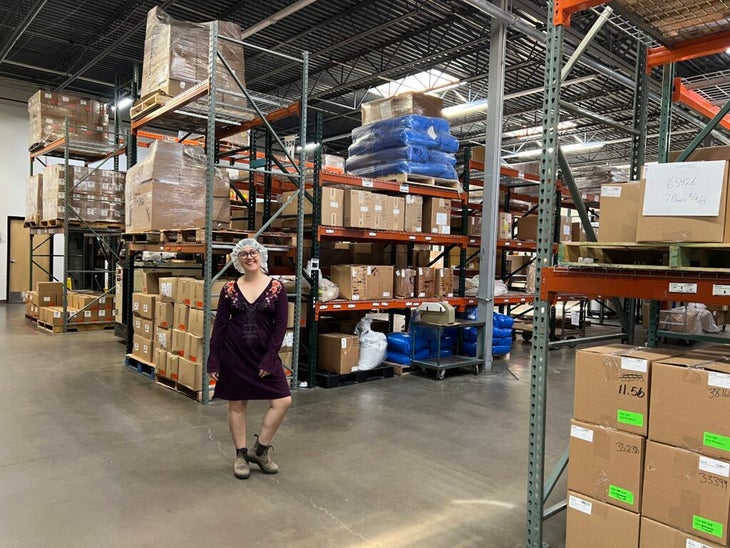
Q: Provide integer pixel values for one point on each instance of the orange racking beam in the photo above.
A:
(696, 102)
(563, 9)
(279, 114)
(688, 49)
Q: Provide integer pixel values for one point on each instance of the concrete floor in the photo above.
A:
(93, 454)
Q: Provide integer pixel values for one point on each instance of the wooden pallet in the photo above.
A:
(75, 327)
(52, 223)
(713, 257)
(173, 385)
(411, 179)
(148, 103)
(326, 379)
(140, 366)
(191, 236)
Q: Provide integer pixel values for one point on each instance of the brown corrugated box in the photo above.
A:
(612, 386)
(401, 105)
(566, 229)
(190, 373)
(658, 535)
(405, 283)
(88, 119)
(669, 228)
(164, 314)
(333, 206)
(606, 464)
(142, 348)
(143, 305)
(163, 338)
(49, 293)
(169, 289)
(379, 282)
(443, 282)
(143, 327)
(620, 209)
(687, 491)
(173, 365)
(359, 209)
(338, 352)
(186, 290)
(178, 342)
(194, 348)
(690, 404)
(195, 321)
(425, 282)
(160, 361)
(413, 219)
(437, 215)
(595, 524)
(352, 281)
(527, 228)
(180, 316)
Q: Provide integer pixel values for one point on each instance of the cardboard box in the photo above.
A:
(195, 322)
(143, 305)
(143, 327)
(291, 209)
(190, 374)
(379, 282)
(527, 228)
(425, 282)
(474, 226)
(687, 491)
(437, 215)
(352, 281)
(504, 226)
(163, 339)
(142, 349)
(31, 297)
(443, 282)
(690, 404)
(337, 324)
(169, 289)
(215, 291)
(178, 342)
(396, 212)
(566, 229)
(180, 317)
(359, 209)
(658, 535)
(286, 358)
(368, 253)
(104, 315)
(413, 218)
(164, 314)
(49, 292)
(173, 364)
(405, 283)
(333, 206)
(160, 362)
(410, 102)
(186, 291)
(685, 202)
(193, 348)
(338, 352)
(595, 524)
(579, 235)
(612, 386)
(606, 464)
(620, 210)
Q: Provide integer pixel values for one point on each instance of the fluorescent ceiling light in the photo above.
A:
(423, 81)
(567, 149)
(123, 103)
(537, 130)
(464, 108)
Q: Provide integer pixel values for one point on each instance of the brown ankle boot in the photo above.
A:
(260, 455)
(241, 468)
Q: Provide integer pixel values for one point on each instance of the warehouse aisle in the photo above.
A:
(93, 454)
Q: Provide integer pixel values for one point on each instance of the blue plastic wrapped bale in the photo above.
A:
(471, 313)
(371, 143)
(409, 153)
(469, 348)
(470, 334)
(413, 122)
(423, 354)
(501, 333)
(399, 342)
(448, 341)
(447, 347)
(398, 357)
(501, 350)
(447, 142)
(503, 321)
(446, 353)
(442, 171)
(502, 341)
(439, 157)
(451, 332)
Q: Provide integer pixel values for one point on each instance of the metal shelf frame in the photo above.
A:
(215, 128)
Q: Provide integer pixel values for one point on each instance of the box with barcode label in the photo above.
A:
(606, 464)
(655, 534)
(687, 491)
(595, 524)
(690, 404)
(612, 386)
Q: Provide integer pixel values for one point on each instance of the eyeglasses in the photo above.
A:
(246, 254)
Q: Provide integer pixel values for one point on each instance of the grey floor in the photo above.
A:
(93, 454)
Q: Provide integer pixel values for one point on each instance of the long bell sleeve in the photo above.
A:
(281, 314)
(222, 316)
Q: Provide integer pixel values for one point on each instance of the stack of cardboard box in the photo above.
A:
(669, 489)
(88, 120)
(45, 304)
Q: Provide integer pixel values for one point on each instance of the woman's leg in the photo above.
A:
(273, 418)
(237, 422)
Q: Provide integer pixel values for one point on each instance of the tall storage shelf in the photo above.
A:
(323, 232)
(99, 242)
(676, 282)
(177, 114)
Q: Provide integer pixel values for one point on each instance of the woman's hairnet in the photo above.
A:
(250, 242)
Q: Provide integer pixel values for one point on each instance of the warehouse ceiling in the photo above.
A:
(86, 46)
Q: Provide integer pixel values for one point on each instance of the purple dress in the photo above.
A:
(247, 337)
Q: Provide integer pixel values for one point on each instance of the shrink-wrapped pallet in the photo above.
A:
(48, 111)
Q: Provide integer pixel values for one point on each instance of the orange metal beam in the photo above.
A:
(696, 102)
(688, 49)
(563, 9)
(141, 134)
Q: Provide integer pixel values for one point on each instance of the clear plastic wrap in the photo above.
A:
(410, 153)
(34, 199)
(166, 191)
(176, 57)
(398, 131)
(48, 111)
(401, 105)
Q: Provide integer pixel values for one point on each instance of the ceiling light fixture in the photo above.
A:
(567, 149)
(464, 108)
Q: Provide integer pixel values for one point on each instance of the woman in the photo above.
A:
(244, 353)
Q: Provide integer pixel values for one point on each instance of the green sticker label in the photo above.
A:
(630, 418)
(624, 495)
(707, 526)
(717, 441)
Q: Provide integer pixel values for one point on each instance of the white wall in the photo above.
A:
(14, 166)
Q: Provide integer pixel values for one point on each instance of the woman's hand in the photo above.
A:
(263, 373)
(214, 376)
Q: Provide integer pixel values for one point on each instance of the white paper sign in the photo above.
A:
(694, 544)
(585, 434)
(717, 467)
(579, 504)
(718, 380)
(684, 189)
(634, 364)
(610, 191)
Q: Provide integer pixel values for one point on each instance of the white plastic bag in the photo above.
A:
(373, 346)
(500, 288)
(328, 290)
